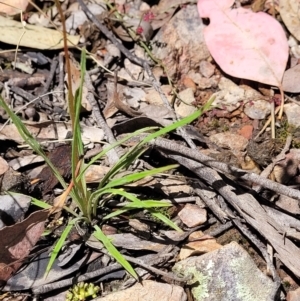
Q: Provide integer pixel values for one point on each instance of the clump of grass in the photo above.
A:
(88, 201)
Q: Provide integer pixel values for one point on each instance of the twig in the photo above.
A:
(61, 71)
(293, 100)
(221, 229)
(155, 270)
(50, 76)
(26, 95)
(250, 209)
(266, 124)
(282, 101)
(238, 173)
(209, 198)
(69, 282)
(272, 120)
(113, 154)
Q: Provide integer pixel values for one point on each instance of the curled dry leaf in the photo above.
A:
(61, 159)
(242, 42)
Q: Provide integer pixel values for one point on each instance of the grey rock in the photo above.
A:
(292, 112)
(13, 207)
(227, 274)
(258, 109)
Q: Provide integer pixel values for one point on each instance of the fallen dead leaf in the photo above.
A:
(18, 240)
(249, 50)
(15, 206)
(61, 159)
(33, 36)
(49, 130)
(291, 80)
(24, 161)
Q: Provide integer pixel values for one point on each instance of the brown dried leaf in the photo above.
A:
(17, 241)
(61, 159)
(291, 79)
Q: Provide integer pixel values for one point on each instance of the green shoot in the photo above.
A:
(113, 251)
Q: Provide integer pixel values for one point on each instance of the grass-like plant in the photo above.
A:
(87, 200)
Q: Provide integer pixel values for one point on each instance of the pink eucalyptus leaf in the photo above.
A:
(245, 44)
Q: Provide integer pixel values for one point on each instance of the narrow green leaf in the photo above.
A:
(179, 123)
(143, 205)
(80, 188)
(172, 127)
(138, 176)
(164, 219)
(114, 252)
(102, 153)
(137, 203)
(40, 204)
(59, 244)
(124, 162)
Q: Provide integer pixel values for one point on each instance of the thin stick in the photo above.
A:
(282, 102)
(266, 124)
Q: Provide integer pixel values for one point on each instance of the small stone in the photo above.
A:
(3, 166)
(229, 96)
(186, 107)
(292, 112)
(230, 141)
(192, 216)
(189, 83)
(204, 83)
(246, 131)
(207, 69)
(257, 109)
